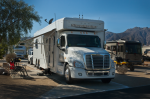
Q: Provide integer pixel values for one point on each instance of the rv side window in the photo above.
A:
(121, 48)
(108, 47)
(49, 43)
(36, 44)
(113, 48)
(62, 41)
(46, 40)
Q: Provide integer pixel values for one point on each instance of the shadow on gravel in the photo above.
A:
(22, 91)
(130, 93)
(131, 80)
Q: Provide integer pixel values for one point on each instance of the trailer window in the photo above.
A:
(62, 41)
(49, 43)
(113, 48)
(108, 47)
(18, 47)
(133, 48)
(46, 40)
(83, 41)
(120, 48)
(49, 59)
(36, 44)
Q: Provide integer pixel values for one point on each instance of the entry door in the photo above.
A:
(52, 51)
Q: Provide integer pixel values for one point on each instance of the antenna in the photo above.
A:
(55, 19)
(79, 16)
(46, 20)
(99, 18)
(82, 15)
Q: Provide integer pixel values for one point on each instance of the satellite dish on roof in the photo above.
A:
(50, 21)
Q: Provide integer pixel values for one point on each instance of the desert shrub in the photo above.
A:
(10, 56)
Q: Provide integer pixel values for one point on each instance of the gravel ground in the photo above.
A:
(23, 88)
(134, 78)
(33, 88)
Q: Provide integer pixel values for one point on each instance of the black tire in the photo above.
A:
(106, 80)
(35, 65)
(38, 65)
(31, 62)
(68, 76)
(131, 68)
(28, 61)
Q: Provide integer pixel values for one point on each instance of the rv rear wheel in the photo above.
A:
(38, 65)
(31, 63)
(68, 75)
(28, 61)
(106, 80)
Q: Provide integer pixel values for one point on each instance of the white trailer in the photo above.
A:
(74, 48)
(30, 56)
(146, 52)
(145, 49)
(20, 51)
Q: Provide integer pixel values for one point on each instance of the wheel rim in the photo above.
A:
(67, 74)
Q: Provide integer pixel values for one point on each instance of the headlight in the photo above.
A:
(112, 64)
(78, 64)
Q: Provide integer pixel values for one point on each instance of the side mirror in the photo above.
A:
(63, 48)
(58, 42)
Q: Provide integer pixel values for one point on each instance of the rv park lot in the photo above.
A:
(54, 86)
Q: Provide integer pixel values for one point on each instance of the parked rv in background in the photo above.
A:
(146, 52)
(30, 57)
(20, 51)
(29, 49)
(128, 50)
(73, 47)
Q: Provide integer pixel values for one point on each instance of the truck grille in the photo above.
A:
(97, 61)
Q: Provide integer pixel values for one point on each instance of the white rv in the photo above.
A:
(20, 51)
(30, 56)
(75, 48)
(146, 52)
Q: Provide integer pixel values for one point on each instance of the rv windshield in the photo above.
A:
(133, 48)
(18, 47)
(83, 41)
(19, 52)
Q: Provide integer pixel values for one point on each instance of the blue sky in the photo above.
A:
(118, 15)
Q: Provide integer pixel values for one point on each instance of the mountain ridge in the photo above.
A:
(135, 34)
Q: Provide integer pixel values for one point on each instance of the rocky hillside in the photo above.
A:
(136, 34)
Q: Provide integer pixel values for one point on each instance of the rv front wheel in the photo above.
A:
(28, 61)
(68, 75)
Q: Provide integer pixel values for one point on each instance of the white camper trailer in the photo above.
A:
(30, 56)
(74, 47)
(20, 51)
